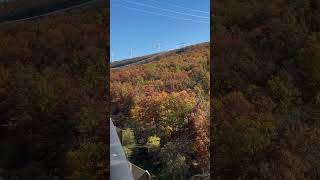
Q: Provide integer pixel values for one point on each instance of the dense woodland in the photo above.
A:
(53, 97)
(18, 9)
(163, 108)
(266, 90)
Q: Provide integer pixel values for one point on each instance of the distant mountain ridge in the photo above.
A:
(155, 57)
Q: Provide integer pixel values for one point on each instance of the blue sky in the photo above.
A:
(140, 27)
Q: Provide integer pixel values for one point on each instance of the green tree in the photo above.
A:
(175, 164)
(128, 141)
(153, 143)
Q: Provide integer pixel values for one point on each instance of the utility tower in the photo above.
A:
(158, 46)
(131, 52)
(112, 55)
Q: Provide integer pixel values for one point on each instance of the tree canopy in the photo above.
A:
(264, 89)
(52, 97)
(166, 104)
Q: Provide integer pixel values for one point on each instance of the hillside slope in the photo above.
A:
(165, 103)
(156, 56)
(266, 90)
(52, 83)
(19, 9)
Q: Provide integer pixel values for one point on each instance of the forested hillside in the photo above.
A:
(163, 107)
(152, 57)
(52, 96)
(266, 90)
(18, 9)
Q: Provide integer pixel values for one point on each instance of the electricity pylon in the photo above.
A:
(158, 46)
(112, 55)
(131, 52)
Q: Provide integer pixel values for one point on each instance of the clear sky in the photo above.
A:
(141, 27)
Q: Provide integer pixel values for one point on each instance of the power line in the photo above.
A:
(173, 5)
(162, 9)
(49, 13)
(165, 15)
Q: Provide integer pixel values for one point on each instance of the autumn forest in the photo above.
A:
(163, 107)
(244, 106)
(265, 90)
(52, 96)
